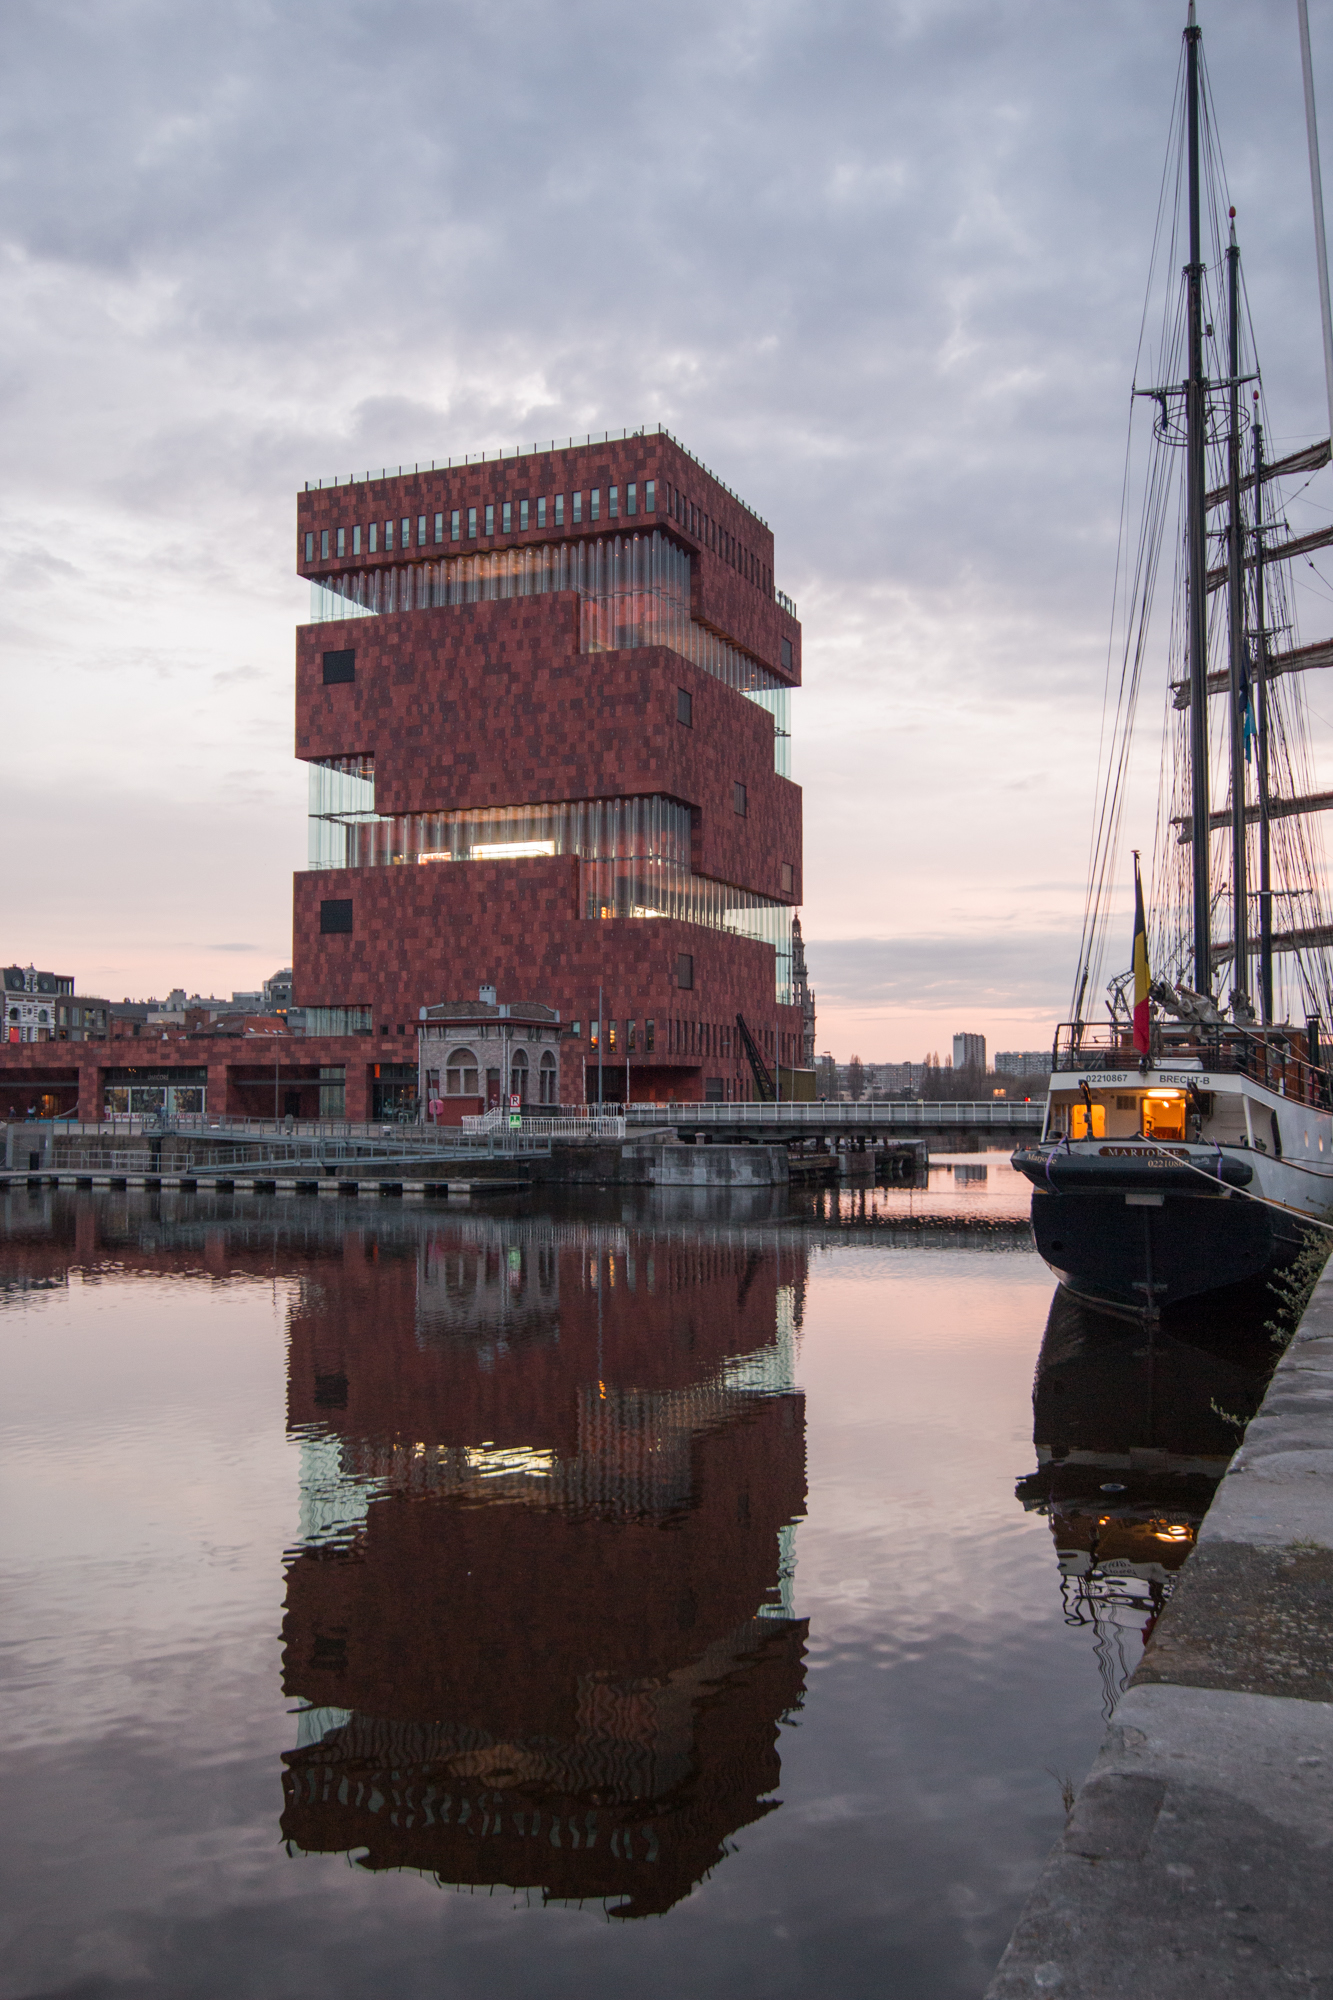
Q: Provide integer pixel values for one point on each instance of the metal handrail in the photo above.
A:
(912, 1115)
(1266, 1059)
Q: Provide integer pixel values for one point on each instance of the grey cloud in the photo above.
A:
(919, 974)
(879, 264)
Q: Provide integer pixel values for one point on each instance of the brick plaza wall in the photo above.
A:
(239, 1071)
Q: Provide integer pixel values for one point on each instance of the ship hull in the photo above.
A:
(1186, 1248)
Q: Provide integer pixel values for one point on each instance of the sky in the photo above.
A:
(880, 266)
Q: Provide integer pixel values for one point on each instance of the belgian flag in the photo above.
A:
(1142, 976)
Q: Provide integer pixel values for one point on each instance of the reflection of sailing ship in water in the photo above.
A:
(1133, 1429)
(541, 1608)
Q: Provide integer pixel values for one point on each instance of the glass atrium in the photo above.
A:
(633, 853)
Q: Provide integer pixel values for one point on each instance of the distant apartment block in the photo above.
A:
(1023, 1062)
(969, 1052)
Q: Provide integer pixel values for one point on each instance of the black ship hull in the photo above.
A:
(1186, 1248)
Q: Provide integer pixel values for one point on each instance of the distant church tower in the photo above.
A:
(802, 996)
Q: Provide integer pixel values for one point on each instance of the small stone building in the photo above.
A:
(477, 1055)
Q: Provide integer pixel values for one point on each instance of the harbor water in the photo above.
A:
(658, 1591)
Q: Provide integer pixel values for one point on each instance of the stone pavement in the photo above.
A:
(1198, 1858)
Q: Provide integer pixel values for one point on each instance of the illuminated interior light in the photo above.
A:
(1166, 1093)
(435, 854)
(512, 850)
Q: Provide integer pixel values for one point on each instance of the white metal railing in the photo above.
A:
(914, 1116)
(573, 1123)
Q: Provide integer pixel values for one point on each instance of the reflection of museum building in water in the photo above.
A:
(541, 1606)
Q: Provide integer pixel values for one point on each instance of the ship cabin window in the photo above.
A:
(1078, 1121)
(1164, 1114)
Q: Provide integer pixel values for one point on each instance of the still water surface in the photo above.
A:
(659, 1594)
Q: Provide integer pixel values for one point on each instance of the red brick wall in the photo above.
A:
(491, 704)
(240, 1069)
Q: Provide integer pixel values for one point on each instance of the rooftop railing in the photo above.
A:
(532, 451)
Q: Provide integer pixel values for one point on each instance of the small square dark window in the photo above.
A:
(685, 707)
(739, 802)
(788, 878)
(339, 667)
(786, 655)
(335, 917)
(684, 968)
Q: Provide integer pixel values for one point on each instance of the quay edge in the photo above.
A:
(1196, 1858)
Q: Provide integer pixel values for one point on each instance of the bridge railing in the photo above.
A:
(913, 1116)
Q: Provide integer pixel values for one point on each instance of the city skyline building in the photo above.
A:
(545, 703)
(969, 1052)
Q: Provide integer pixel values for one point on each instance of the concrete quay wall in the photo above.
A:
(1198, 1857)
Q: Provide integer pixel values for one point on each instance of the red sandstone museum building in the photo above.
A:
(544, 702)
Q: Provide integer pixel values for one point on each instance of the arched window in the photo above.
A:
(548, 1093)
(460, 1074)
(518, 1075)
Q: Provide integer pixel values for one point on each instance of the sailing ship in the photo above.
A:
(1187, 1149)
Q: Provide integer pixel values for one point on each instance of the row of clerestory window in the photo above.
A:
(507, 517)
(697, 522)
(504, 517)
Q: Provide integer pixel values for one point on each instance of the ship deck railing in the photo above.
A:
(1269, 1057)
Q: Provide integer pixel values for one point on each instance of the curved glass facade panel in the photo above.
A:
(633, 590)
(634, 853)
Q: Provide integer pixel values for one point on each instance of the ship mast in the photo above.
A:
(1240, 942)
(1195, 504)
(1261, 718)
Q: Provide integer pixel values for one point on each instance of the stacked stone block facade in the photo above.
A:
(492, 704)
